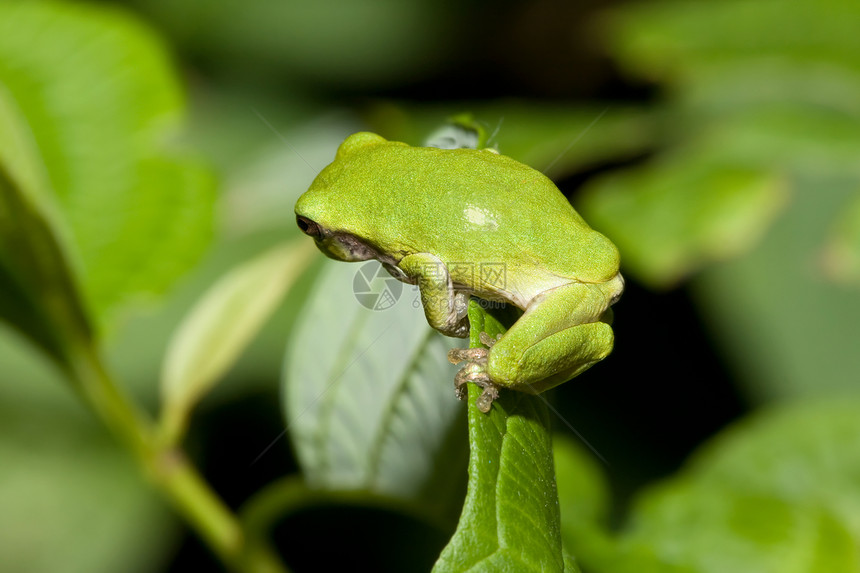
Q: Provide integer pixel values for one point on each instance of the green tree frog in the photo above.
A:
(462, 222)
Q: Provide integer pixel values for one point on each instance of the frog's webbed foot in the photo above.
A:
(475, 371)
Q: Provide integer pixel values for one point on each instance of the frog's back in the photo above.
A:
(451, 202)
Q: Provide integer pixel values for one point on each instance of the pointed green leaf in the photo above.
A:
(222, 323)
(368, 392)
(510, 520)
(101, 99)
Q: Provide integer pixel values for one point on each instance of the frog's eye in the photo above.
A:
(308, 227)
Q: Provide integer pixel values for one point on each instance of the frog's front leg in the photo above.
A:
(560, 335)
(445, 308)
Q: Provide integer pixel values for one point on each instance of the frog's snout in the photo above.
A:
(309, 227)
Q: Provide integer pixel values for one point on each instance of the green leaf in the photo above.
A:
(583, 497)
(72, 500)
(773, 87)
(805, 453)
(664, 37)
(784, 138)
(841, 258)
(38, 295)
(359, 44)
(100, 98)
(219, 327)
(368, 392)
(510, 521)
(762, 86)
(570, 564)
(711, 530)
(670, 219)
(777, 492)
(555, 139)
(582, 489)
(789, 331)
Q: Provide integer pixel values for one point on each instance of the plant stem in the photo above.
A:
(168, 468)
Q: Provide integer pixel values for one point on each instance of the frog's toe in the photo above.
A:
(476, 355)
(473, 373)
(488, 340)
(487, 397)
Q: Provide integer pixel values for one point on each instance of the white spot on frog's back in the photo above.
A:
(480, 217)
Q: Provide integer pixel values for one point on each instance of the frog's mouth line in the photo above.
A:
(339, 245)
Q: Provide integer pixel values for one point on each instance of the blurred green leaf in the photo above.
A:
(582, 489)
(583, 497)
(671, 219)
(713, 530)
(340, 43)
(262, 191)
(841, 258)
(510, 520)
(661, 38)
(219, 327)
(782, 138)
(761, 85)
(101, 101)
(777, 492)
(368, 394)
(570, 564)
(773, 87)
(261, 183)
(804, 453)
(38, 295)
(789, 332)
(72, 500)
(555, 139)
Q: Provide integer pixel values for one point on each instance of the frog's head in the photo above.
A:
(332, 224)
(331, 212)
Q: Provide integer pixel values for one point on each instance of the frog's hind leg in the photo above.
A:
(551, 343)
